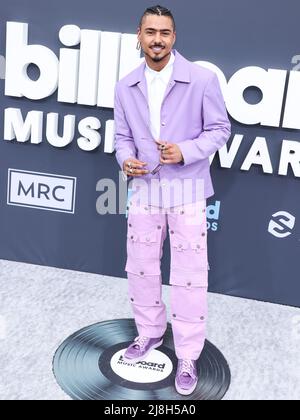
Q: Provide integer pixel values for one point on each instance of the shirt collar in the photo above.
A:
(181, 72)
(163, 73)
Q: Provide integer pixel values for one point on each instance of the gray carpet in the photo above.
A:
(42, 306)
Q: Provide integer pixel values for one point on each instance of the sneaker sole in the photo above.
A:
(139, 359)
(185, 391)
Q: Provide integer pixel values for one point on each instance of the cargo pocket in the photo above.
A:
(189, 256)
(188, 279)
(199, 258)
(144, 290)
(143, 267)
(179, 252)
(189, 305)
(144, 245)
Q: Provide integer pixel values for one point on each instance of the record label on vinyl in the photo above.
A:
(155, 368)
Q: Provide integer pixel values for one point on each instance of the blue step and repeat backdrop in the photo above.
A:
(59, 62)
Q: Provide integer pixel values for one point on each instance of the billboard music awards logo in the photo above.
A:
(154, 368)
(87, 76)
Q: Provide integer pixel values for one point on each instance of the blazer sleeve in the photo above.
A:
(124, 142)
(216, 126)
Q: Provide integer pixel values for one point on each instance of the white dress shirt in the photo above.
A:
(157, 82)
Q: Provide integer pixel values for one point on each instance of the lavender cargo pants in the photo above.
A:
(146, 232)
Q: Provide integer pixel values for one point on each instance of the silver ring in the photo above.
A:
(129, 164)
(131, 171)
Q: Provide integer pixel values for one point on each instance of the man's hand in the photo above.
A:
(134, 167)
(170, 153)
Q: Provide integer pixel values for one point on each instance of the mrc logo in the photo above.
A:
(41, 191)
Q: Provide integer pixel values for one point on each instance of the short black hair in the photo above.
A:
(159, 11)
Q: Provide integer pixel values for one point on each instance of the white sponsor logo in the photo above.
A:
(155, 368)
(282, 224)
(41, 191)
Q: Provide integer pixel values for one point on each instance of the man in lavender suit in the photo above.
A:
(170, 117)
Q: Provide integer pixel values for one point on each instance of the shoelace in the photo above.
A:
(141, 341)
(186, 367)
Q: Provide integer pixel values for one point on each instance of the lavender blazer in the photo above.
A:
(193, 115)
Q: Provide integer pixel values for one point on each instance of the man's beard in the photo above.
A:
(157, 59)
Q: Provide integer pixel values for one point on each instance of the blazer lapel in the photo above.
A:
(181, 73)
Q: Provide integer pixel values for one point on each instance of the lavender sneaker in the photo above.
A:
(141, 347)
(186, 377)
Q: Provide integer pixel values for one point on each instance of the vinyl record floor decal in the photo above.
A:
(89, 366)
